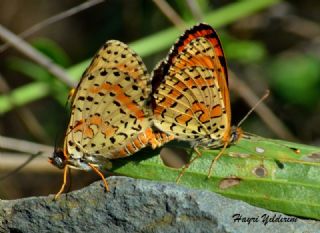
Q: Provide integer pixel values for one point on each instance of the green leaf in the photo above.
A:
(23, 95)
(245, 51)
(52, 50)
(54, 86)
(271, 174)
(295, 78)
(30, 69)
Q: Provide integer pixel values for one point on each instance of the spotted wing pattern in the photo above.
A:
(190, 90)
(109, 118)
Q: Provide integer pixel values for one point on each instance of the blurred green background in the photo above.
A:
(269, 44)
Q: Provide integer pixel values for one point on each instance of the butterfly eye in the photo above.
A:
(58, 159)
(233, 136)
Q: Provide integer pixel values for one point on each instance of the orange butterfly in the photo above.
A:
(109, 114)
(191, 95)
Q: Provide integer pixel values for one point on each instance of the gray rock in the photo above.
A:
(139, 206)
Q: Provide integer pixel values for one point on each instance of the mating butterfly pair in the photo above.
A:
(117, 110)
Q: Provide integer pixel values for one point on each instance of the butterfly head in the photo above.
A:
(230, 137)
(235, 134)
(61, 158)
(58, 158)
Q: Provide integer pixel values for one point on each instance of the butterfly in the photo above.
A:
(190, 94)
(109, 116)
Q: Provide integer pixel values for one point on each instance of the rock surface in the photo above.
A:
(139, 206)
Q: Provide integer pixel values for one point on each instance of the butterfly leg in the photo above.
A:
(214, 161)
(65, 175)
(96, 170)
(188, 164)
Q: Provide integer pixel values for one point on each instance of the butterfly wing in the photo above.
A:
(190, 90)
(108, 111)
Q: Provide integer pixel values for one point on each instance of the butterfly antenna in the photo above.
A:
(55, 144)
(254, 107)
(58, 139)
(67, 104)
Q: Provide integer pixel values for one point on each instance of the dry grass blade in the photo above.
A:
(53, 19)
(11, 162)
(170, 13)
(271, 120)
(24, 146)
(195, 10)
(36, 56)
